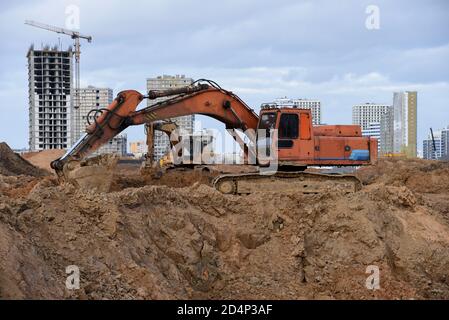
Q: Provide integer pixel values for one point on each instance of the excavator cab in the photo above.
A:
(286, 136)
(290, 137)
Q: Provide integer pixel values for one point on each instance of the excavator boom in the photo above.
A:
(199, 98)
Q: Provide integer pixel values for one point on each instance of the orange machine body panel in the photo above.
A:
(338, 130)
(324, 145)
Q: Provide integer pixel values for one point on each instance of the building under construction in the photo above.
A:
(50, 104)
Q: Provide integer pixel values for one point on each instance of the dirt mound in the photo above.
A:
(125, 176)
(423, 176)
(162, 242)
(176, 178)
(42, 159)
(12, 164)
(428, 179)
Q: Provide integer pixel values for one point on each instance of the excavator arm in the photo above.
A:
(199, 98)
(214, 102)
(107, 125)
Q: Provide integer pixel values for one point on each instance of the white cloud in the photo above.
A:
(259, 49)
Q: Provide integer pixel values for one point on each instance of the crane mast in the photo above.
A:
(76, 36)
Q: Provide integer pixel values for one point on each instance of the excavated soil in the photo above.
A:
(42, 159)
(183, 239)
(13, 164)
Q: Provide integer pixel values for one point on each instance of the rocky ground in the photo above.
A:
(178, 238)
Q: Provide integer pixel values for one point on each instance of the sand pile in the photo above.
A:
(42, 159)
(12, 164)
(158, 242)
(424, 176)
(429, 179)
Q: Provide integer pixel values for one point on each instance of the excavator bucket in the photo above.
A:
(91, 174)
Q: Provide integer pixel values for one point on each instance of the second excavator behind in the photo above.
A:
(282, 138)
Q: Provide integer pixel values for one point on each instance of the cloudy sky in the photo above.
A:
(260, 49)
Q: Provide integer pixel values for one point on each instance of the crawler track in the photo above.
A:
(303, 182)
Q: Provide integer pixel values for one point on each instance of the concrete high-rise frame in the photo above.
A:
(50, 103)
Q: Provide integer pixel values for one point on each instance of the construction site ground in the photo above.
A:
(176, 237)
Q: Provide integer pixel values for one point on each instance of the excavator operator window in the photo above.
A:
(267, 121)
(288, 126)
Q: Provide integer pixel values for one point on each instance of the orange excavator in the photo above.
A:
(285, 134)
